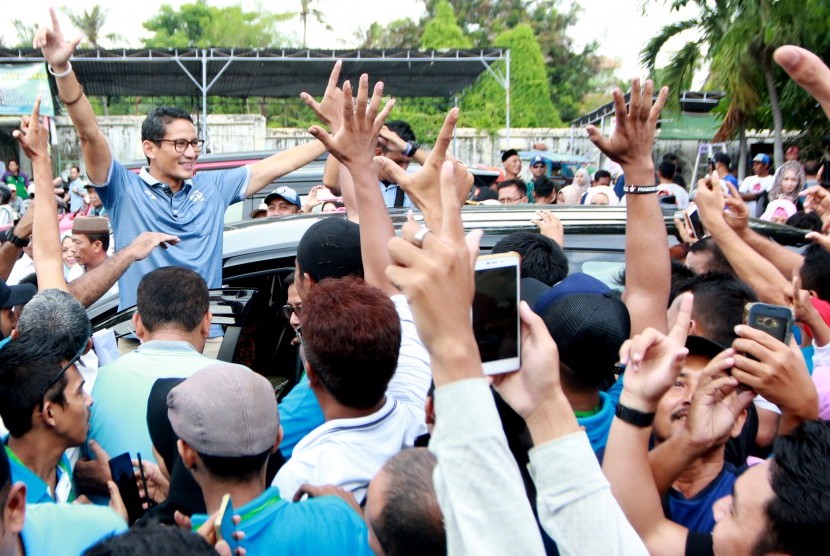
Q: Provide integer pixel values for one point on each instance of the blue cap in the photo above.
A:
(537, 160)
(574, 283)
(762, 158)
(286, 193)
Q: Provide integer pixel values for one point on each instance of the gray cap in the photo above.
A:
(225, 410)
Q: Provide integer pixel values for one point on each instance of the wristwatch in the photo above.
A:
(16, 241)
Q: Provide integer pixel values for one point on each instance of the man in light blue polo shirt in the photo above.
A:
(226, 419)
(166, 196)
(49, 528)
(172, 320)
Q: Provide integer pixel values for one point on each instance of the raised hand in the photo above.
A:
(33, 136)
(817, 199)
(422, 186)
(653, 360)
(716, 403)
(143, 245)
(550, 226)
(55, 48)
(329, 110)
(354, 143)
(738, 214)
(709, 200)
(633, 137)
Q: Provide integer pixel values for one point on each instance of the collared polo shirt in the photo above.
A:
(141, 203)
(68, 528)
(37, 491)
(119, 414)
(325, 525)
(390, 192)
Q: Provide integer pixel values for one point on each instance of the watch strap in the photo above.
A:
(16, 241)
(634, 417)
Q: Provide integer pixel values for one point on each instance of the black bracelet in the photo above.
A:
(413, 146)
(641, 189)
(16, 241)
(634, 417)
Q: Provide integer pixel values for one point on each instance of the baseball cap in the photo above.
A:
(589, 325)
(531, 290)
(698, 345)
(508, 153)
(537, 160)
(330, 248)
(762, 158)
(286, 193)
(15, 295)
(225, 410)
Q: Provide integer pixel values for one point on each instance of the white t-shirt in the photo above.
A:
(349, 452)
(681, 196)
(755, 184)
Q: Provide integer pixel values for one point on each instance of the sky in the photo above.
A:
(618, 25)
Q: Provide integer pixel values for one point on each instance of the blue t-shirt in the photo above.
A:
(325, 525)
(300, 414)
(119, 414)
(68, 528)
(696, 513)
(138, 203)
(37, 491)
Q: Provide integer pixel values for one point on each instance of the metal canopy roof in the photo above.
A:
(690, 101)
(268, 73)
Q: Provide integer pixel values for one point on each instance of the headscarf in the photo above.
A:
(573, 193)
(778, 205)
(790, 166)
(613, 200)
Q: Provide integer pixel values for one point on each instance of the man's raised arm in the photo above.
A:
(33, 139)
(267, 170)
(647, 266)
(57, 51)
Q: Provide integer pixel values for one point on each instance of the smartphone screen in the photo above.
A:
(224, 526)
(123, 474)
(775, 320)
(496, 312)
(694, 221)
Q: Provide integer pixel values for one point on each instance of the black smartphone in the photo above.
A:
(775, 320)
(496, 324)
(123, 475)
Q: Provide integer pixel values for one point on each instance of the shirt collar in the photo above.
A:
(145, 175)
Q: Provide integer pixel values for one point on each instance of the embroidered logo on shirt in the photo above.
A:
(150, 194)
(197, 197)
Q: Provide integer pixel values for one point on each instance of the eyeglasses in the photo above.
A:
(181, 144)
(73, 361)
(288, 309)
(510, 200)
(538, 166)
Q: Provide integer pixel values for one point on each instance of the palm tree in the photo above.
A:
(305, 11)
(25, 33)
(737, 38)
(90, 23)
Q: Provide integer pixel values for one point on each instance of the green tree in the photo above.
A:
(442, 31)
(305, 12)
(201, 25)
(25, 33)
(91, 24)
(483, 106)
(400, 33)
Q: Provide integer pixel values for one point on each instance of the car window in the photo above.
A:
(607, 272)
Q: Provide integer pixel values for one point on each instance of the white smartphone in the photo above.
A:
(496, 323)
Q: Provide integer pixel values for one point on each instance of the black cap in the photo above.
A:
(698, 345)
(15, 295)
(330, 248)
(508, 153)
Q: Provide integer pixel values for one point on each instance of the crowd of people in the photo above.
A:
(655, 422)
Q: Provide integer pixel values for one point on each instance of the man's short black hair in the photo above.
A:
(23, 381)
(799, 513)
(519, 183)
(719, 304)
(542, 258)
(806, 221)
(667, 169)
(352, 339)
(73, 167)
(151, 537)
(402, 128)
(599, 174)
(103, 238)
(815, 271)
(155, 124)
(172, 296)
(236, 469)
(718, 263)
(411, 522)
(544, 188)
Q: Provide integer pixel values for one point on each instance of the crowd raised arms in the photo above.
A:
(684, 416)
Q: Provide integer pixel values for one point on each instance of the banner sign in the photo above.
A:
(19, 86)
